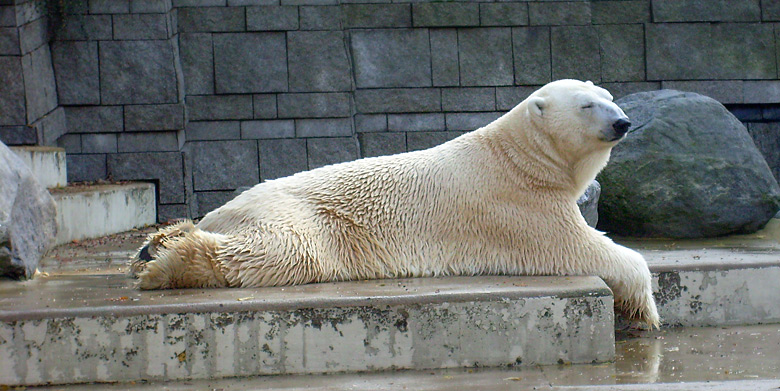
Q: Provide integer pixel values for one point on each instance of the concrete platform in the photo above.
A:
(726, 359)
(46, 163)
(87, 328)
(89, 211)
(716, 282)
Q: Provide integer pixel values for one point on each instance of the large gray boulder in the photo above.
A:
(28, 215)
(687, 169)
(589, 203)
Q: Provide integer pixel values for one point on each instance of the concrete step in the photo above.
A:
(46, 163)
(716, 282)
(89, 211)
(95, 328)
(714, 358)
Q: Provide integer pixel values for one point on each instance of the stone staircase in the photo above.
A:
(89, 210)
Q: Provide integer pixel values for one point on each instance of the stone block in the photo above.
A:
(415, 122)
(767, 139)
(211, 19)
(509, 97)
(76, 69)
(318, 61)
(559, 13)
(623, 52)
(98, 143)
(198, 3)
(370, 123)
(574, 55)
(33, 35)
(85, 27)
(267, 129)
(770, 113)
(391, 58)
(264, 106)
(271, 18)
(141, 26)
(620, 12)
(12, 109)
(18, 135)
(379, 144)
(761, 91)
(503, 14)
(210, 200)
(70, 142)
(27, 10)
(322, 105)
(154, 117)
(197, 62)
(470, 121)
(7, 15)
(9, 41)
(51, 126)
(468, 99)
(39, 85)
(86, 168)
(770, 11)
(109, 6)
(445, 14)
(310, 2)
(150, 6)
(163, 167)
(485, 56)
(416, 141)
(94, 119)
(236, 3)
(326, 151)
(747, 113)
(398, 100)
(137, 72)
(219, 107)
(724, 91)
(250, 62)
(213, 130)
(172, 212)
(665, 11)
(704, 51)
(619, 90)
(327, 127)
(320, 17)
(147, 142)
(377, 15)
(240, 168)
(282, 157)
(444, 57)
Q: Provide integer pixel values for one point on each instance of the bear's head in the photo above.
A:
(574, 123)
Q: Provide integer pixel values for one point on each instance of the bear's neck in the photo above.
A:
(537, 160)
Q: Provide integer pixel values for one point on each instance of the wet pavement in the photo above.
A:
(719, 358)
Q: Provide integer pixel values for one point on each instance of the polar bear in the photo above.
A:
(498, 200)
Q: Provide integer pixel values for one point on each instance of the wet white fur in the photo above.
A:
(498, 200)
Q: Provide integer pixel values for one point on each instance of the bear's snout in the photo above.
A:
(621, 127)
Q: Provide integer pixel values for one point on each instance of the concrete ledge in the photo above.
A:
(46, 163)
(716, 282)
(98, 210)
(96, 328)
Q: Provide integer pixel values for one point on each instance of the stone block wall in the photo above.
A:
(204, 96)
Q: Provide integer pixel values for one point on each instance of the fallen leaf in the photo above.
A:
(182, 356)
(514, 378)
(245, 298)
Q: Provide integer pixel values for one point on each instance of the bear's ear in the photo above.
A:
(536, 105)
(590, 83)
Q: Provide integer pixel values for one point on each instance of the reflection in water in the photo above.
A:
(639, 360)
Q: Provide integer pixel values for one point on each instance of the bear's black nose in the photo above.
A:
(621, 126)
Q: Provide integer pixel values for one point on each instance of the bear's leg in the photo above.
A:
(627, 274)
(186, 261)
(155, 242)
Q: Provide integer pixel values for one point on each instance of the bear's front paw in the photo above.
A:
(155, 242)
(641, 309)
